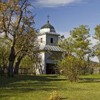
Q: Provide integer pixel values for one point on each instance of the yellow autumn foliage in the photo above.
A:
(3, 6)
(54, 96)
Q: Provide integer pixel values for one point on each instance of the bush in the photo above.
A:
(54, 96)
(71, 67)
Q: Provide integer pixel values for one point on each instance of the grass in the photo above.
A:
(39, 87)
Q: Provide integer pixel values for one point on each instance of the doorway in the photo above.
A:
(50, 69)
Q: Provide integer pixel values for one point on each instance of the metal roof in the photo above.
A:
(48, 25)
(52, 48)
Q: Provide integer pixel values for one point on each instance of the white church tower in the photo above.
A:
(50, 52)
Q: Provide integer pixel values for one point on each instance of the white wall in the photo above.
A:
(42, 54)
(41, 68)
(48, 39)
(43, 43)
(45, 30)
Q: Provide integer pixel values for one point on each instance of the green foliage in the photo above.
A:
(67, 45)
(70, 66)
(4, 52)
(30, 61)
(26, 62)
(78, 42)
(81, 43)
(77, 52)
(97, 46)
(97, 32)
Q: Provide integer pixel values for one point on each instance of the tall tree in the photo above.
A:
(81, 42)
(78, 43)
(97, 46)
(77, 51)
(29, 44)
(15, 20)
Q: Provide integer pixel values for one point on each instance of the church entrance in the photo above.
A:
(50, 69)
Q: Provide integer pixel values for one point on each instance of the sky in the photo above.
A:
(67, 14)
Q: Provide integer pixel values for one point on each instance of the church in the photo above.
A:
(49, 51)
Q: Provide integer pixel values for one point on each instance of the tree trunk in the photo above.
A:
(17, 67)
(11, 62)
(10, 69)
(18, 63)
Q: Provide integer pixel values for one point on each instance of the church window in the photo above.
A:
(41, 40)
(51, 40)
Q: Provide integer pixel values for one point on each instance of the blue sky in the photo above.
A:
(67, 14)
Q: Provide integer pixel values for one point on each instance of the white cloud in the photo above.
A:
(54, 3)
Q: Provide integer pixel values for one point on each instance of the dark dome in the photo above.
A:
(48, 25)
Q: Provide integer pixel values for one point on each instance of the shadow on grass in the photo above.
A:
(27, 83)
(89, 80)
(6, 81)
(30, 83)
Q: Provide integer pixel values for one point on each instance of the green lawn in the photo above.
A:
(40, 87)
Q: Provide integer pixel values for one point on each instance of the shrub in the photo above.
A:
(71, 67)
(54, 96)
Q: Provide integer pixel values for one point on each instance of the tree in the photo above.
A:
(29, 44)
(80, 41)
(4, 52)
(30, 61)
(77, 51)
(67, 44)
(81, 45)
(15, 20)
(70, 66)
(97, 46)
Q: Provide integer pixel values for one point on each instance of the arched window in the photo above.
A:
(51, 40)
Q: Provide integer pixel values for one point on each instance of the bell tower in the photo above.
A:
(49, 49)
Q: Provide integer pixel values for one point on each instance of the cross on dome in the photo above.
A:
(48, 18)
(48, 26)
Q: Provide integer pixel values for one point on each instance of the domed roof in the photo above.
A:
(48, 25)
